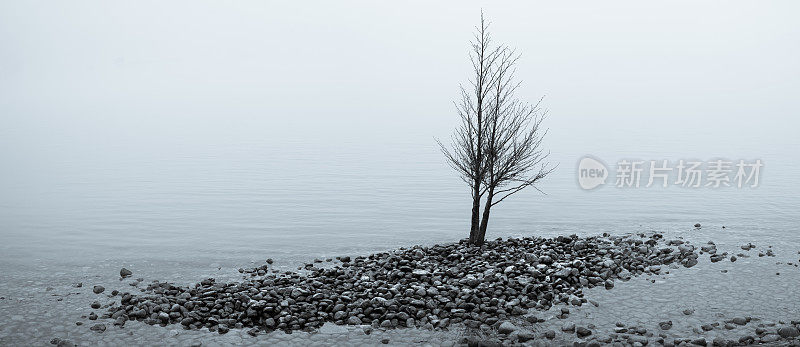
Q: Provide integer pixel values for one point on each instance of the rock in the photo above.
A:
(340, 315)
(568, 327)
(61, 343)
(719, 341)
(665, 325)
(525, 335)
(385, 341)
(506, 328)
(222, 329)
(582, 332)
(100, 327)
(716, 258)
(739, 321)
(98, 289)
(640, 340)
(531, 318)
(688, 311)
(769, 338)
(95, 305)
(125, 273)
(353, 320)
(697, 225)
(689, 262)
(788, 331)
(550, 334)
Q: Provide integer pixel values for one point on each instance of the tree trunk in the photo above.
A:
(485, 220)
(476, 213)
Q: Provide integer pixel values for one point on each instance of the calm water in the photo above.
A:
(229, 203)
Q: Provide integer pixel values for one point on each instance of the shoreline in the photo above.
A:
(434, 288)
(47, 305)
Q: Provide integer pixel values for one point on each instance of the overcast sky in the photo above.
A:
(162, 73)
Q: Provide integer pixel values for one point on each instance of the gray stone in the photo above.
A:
(506, 328)
(665, 325)
(99, 327)
(568, 327)
(788, 331)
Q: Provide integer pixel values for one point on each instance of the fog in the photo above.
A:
(100, 73)
(93, 88)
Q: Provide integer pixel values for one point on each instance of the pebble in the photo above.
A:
(98, 289)
(125, 273)
(506, 328)
(788, 331)
(61, 342)
(568, 327)
(100, 327)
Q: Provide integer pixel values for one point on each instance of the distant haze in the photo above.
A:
(295, 122)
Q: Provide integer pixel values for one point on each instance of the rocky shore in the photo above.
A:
(431, 287)
(511, 291)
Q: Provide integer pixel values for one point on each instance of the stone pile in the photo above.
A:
(429, 287)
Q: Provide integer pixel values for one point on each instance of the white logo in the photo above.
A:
(591, 173)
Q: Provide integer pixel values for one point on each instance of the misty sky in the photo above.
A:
(97, 78)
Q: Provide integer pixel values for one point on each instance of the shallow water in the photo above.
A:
(184, 214)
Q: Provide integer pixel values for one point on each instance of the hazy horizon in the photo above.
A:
(149, 117)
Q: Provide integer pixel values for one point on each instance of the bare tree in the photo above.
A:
(467, 156)
(497, 148)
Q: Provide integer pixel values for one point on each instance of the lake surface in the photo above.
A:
(79, 210)
(80, 204)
